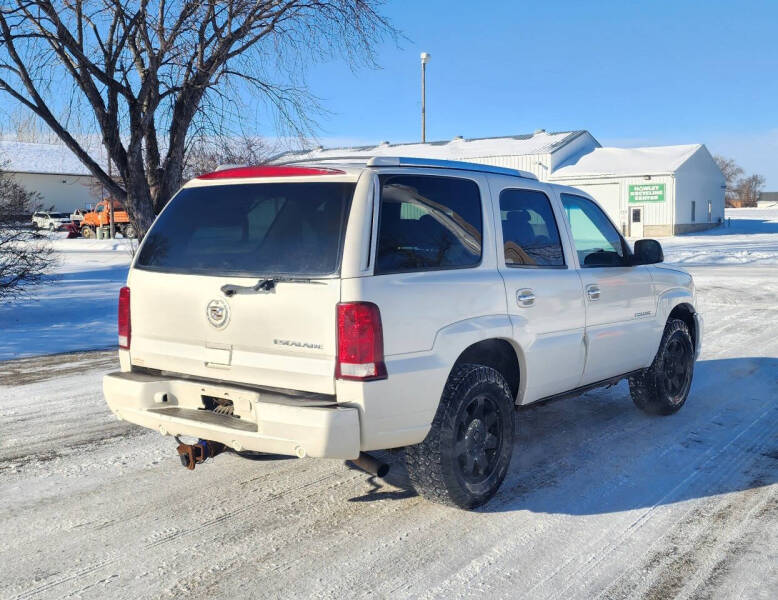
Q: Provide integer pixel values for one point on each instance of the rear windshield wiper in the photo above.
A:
(264, 286)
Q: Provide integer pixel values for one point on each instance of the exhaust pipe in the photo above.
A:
(371, 464)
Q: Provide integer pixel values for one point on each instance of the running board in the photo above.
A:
(584, 388)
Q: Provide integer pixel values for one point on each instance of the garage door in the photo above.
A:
(608, 197)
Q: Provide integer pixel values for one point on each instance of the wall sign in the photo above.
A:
(646, 192)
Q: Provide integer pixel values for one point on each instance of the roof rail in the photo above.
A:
(410, 161)
(372, 160)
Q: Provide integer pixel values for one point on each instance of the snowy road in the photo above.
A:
(601, 500)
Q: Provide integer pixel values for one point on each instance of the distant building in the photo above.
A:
(539, 153)
(654, 191)
(767, 200)
(52, 171)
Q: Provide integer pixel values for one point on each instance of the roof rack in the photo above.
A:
(410, 161)
(436, 163)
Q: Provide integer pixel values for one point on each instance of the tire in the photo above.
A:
(662, 389)
(51, 227)
(87, 232)
(466, 454)
(129, 232)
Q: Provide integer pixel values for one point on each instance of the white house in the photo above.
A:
(646, 191)
(52, 171)
(655, 191)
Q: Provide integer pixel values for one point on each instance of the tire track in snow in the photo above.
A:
(497, 555)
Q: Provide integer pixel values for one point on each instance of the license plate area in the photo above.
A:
(231, 402)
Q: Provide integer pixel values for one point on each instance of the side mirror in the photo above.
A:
(647, 252)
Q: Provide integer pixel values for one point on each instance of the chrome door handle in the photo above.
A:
(593, 291)
(525, 297)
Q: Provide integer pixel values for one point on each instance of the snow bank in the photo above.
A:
(751, 238)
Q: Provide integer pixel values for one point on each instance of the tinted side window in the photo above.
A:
(597, 241)
(428, 223)
(529, 232)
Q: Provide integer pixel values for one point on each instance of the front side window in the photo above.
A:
(529, 232)
(251, 230)
(597, 241)
(427, 223)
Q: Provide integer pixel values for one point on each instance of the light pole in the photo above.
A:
(425, 58)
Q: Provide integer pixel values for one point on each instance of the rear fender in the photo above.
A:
(398, 411)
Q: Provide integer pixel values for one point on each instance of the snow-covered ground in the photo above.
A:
(601, 501)
(750, 238)
(75, 309)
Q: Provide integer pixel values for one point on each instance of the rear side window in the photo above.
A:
(251, 230)
(529, 231)
(428, 223)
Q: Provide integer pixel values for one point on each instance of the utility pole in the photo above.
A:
(110, 202)
(425, 57)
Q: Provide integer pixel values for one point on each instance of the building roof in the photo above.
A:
(655, 160)
(540, 142)
(56, 159)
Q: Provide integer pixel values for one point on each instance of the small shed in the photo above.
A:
(654, 191)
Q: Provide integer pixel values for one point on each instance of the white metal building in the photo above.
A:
(52, 171)
(646, 191)
(538, 153)
(651, 192)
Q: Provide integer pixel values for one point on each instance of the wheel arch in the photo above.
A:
(686, 313)
(499, 353)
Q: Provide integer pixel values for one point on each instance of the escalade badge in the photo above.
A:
(218, 313)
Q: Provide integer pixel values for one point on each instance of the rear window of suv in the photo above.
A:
(250, 230)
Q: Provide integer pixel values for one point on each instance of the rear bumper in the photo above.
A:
(175, 407)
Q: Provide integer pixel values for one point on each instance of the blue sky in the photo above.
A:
(632, 73)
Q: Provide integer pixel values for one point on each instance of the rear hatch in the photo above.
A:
(239, 282)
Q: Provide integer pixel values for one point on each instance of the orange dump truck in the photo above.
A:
(100, 217)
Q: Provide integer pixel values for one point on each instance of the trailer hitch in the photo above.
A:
(199, 452)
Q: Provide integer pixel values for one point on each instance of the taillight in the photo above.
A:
(125, 331)
(360, 342)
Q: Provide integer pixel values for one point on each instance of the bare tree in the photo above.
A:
(144, 73)
(25, 255)
(748, 189)
(732, 173)
(207, 154)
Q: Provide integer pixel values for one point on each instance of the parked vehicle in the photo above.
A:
(332, 310)
(44, 219)
(100, 217)
(78, 215)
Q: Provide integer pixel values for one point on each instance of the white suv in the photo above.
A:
(333, 309)
(52, 221)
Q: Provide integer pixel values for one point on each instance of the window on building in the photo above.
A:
(693, 207)
(529, 230)
(428, 223)
(597, 242)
